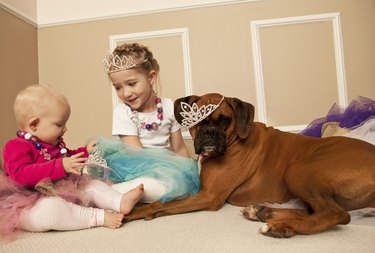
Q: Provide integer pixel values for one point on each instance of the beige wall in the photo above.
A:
(298, 60)
(18, 67)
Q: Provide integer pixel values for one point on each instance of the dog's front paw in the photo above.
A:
(276, 230)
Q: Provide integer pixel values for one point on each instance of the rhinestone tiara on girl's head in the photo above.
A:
(113, 63)
(193, 115)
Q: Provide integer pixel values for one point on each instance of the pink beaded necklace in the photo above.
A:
(39, 146)
(149, 126)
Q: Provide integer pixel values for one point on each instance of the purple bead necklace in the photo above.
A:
(150, 126)
(39, 146)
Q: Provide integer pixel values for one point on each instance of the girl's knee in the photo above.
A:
(95, 185)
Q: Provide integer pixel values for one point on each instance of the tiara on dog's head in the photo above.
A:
(192, 115)
(114, 63)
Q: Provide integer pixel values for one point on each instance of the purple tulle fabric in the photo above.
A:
(14, 199)
(358, 111)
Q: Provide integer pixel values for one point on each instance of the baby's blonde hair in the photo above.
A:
(34, 101)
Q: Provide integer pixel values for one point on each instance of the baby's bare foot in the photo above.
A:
(112, 219)
(131, 198)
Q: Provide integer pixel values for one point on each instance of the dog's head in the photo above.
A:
(230, 120)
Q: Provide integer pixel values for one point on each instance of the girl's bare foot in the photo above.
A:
(112, 219)
(131, 198)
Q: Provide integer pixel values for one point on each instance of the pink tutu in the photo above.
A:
(14, 199)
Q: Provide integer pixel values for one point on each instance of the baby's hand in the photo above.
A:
(74, 164)
(91, 146)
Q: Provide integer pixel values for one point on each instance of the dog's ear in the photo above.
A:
(244, 116)
(177, 105)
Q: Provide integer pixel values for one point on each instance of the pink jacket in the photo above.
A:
(26, 165)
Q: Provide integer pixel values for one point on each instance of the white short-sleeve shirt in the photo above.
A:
(123, 124)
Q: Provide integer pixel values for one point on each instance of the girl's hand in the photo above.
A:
(74, 164)
(91, 146)
(178, 145)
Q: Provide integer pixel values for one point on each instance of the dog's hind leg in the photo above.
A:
(263, 212)
(323, 213)
(372, 204)
(320, 220)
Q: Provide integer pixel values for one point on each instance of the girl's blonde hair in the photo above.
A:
(141, 54)
(34, 101)
(137, 56)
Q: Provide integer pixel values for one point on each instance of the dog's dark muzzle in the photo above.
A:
(210, 141)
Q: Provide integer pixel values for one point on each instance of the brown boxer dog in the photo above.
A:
(249, 164)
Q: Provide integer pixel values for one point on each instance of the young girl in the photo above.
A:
(42, 188)
(142, 119)
(157, 155)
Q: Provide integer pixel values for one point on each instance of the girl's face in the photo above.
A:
(134, 88)
(51, 125)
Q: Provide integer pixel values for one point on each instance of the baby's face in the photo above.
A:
(52, 124)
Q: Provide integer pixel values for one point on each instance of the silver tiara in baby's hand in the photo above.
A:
(193, 115)
(113, 62)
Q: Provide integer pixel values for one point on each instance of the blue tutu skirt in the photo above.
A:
(125, 162)
(357, 112)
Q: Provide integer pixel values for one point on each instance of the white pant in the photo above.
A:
(154, 189)
(55, 213)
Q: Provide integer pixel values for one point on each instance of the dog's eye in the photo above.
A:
(204, 121)
(207, 120)
(224, 120)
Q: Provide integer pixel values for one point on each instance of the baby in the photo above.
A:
(42, 188)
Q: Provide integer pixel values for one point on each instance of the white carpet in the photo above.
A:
(222, 231)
